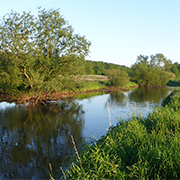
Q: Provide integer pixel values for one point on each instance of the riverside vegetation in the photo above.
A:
(41, 59)
(139, 148)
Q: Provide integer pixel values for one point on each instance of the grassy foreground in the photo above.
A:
(142, 148)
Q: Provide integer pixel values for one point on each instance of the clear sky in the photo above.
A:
(119, 30)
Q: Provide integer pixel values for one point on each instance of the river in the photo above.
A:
(31, 137)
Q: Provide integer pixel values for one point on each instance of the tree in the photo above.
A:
(176, 69)
(159, 60)
(42, 52)
(117, 77)
(142, 59)
(99, 68)
(140, 71)
(89, 67)
(151, 73)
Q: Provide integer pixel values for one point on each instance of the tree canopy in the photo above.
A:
(176, 69)
(100, 67)
(40, 52)
(153, 72)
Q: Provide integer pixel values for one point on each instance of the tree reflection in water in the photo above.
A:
(34, 136)
(117, 99)
(151, 94)
(137, 102)
(141, 95)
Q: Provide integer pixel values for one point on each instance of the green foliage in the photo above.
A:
(40, 53)
(172, 100)
(159, 60)
(139, 74)
(143, 148)
(131, 84)
(155, 72)
(176, 69)
(88, 95)
(117, 77)
(89, 68)
(100, 68)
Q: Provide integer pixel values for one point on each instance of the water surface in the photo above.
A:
(31, 137)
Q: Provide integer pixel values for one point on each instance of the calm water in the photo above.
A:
(32, 137)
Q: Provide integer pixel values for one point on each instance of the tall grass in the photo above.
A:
(141, 148)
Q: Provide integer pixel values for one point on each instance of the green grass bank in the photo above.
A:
(141, 148)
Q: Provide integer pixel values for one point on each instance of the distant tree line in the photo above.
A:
(155, 70)
(118, 74)
(100, 67)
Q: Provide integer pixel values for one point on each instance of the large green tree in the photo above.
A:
(40, 53)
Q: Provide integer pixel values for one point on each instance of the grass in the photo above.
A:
(88, 95)
(131, 84)
(93, 85)
(140, 148)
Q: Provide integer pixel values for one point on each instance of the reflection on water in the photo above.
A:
(141, 95)
(137, 102)
(32, 137)
(118, 99)
(152, 94)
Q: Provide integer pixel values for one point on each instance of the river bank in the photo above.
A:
(45, 97)
(143, 148)
(89, 84)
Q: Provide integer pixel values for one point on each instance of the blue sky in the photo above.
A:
(119, 30)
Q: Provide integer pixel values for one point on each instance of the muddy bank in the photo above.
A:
(46, 97)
